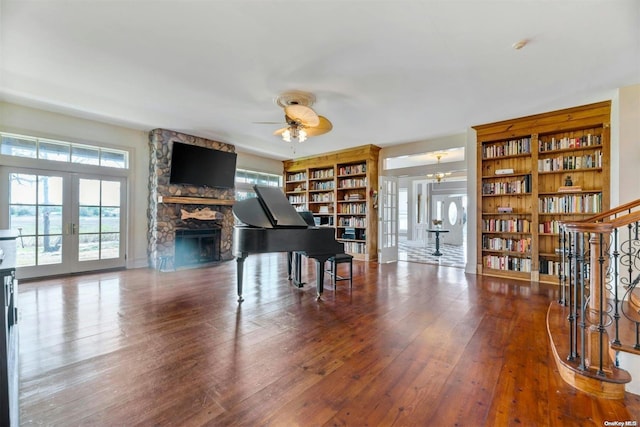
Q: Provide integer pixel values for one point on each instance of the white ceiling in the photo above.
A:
(384, 72)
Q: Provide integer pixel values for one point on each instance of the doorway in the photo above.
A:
(66, 222)
(428, 202)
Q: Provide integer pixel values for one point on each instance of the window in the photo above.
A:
(61, 151)
(403, 211)
(246, 179)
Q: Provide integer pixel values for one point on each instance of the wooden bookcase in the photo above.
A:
(534, 173)
(338, 188)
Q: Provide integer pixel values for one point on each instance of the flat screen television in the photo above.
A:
(201, 166)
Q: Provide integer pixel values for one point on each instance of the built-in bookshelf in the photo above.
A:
(295, 187)
(338, 188)
(534, 173)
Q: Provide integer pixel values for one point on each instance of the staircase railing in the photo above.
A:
(600, 269)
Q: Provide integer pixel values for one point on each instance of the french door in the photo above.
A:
(66, 222)
(388, 220)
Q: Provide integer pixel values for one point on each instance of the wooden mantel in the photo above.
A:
(196, 200)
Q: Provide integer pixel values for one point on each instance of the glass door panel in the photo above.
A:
(110, 219)
(66, 223)
(100, 222)
(388, 221)
(36, 212)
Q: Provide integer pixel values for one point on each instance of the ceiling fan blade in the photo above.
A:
(268, 123)
(302, 114)
(323, 126)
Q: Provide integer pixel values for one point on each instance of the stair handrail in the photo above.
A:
(605, 226)
(612, 212)
(590, 281)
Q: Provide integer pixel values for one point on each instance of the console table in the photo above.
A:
(437, 231)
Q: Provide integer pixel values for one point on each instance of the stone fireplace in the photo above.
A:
(170, 203)
(196, 246)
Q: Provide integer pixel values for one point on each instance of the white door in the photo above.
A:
(66, 222)
(451, 210)
(420, 210)
(455, 218)
(388, 219)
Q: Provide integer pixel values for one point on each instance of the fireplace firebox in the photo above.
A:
(195, 247)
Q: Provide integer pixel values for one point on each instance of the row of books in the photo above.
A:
(293, 199)
(506, 262)
(322, 185)
(506, 225)
(519, 186)
(352, 182)
(353, 221)
(571, 203)
(322, 197)
(352, 169)
(299, 176)
(355, 247)
(501, 244)
(552, 267)
(507, 148)
(352, 208)
(571, 162)
(549, 227)
(322, 173)
(588, 140)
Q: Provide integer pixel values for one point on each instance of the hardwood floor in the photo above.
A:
(410, 344)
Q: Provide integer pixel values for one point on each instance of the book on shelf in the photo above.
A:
(349, 233)
(503, 171)
(505, 209)
(569, 188)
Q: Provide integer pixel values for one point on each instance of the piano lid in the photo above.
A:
(271, 209)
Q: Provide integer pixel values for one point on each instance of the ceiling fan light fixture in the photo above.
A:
(294, 131)
(286, 136)
(302, 122)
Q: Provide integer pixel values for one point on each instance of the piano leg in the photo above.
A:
(297, 272)
(320, 263)
(289, 264)
(239, 273)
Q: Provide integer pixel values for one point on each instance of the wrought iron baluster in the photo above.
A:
(601, 329)
(616, 315)
(580, 260)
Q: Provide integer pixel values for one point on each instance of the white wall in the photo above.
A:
(628, 154)
(472, 201)
(39, 123)
(259, 164)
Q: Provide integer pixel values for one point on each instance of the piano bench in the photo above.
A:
(333, 268)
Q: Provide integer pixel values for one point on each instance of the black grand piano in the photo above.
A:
(273, 225)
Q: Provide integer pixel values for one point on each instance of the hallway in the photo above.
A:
(421, 252)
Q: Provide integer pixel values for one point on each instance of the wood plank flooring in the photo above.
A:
(410, 345)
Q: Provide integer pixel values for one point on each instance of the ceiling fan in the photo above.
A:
(301, 121)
